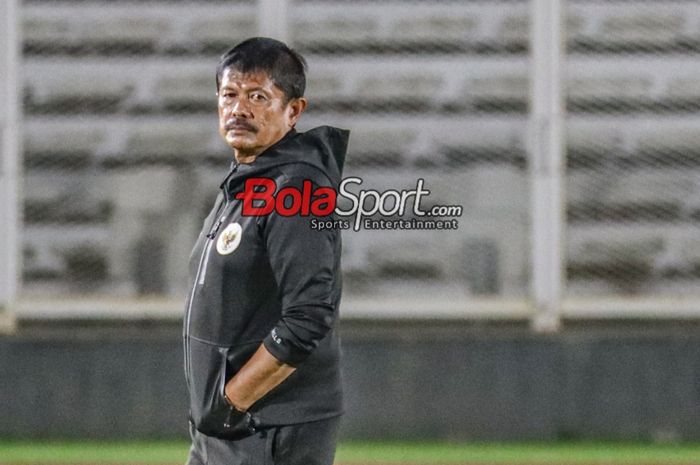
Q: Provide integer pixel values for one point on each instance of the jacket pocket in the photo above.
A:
(211, 368)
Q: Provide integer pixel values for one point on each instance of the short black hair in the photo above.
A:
(285, 67)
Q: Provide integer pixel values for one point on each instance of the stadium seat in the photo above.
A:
(439, 85)
(410, 260)
(502, 188)
(684, 87)
(170, 139)
(487, 154)
(622, 85)
(70, 208)
(688, 248)
(116, 28)
(186, 93)
(511, 86)
(626, 263)
(515, 27)
(653, 185)
(334, 29)
(652, 25)
(380, 142)
(67, 89)
(220, 32)
(435, 25)
(45, 28)
(143, 189)
(498, 93)
(672, 141)
(320, 87)
(420, 86)
(125, 27)
(592, 147)
(89, 30)
(414, 28)
(45, 253)
(481, 265)
(62, 140)
(51, 185)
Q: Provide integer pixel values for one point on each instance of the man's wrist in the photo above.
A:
(231, 404)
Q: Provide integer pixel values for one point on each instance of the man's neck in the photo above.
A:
(245, 158)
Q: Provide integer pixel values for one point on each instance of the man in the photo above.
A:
(261, 348)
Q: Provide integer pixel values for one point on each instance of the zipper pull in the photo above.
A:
(215, 229)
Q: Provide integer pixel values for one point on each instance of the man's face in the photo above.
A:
(253, 113)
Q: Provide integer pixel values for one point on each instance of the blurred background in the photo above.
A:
(565, 306)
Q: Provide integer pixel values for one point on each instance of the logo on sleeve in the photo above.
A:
(275, 336)
(229, 239)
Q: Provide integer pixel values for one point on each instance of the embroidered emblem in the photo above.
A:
(229, 239)
(275, 336)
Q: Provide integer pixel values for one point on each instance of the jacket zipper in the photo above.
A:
(201, 273)
(210, 241)
(198, 281)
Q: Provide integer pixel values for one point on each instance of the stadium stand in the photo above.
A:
(99, 28)
(391, 27)
(438, 91)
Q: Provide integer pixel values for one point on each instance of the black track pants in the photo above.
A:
(302, 444)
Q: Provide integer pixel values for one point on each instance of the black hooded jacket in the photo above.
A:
(268, 279)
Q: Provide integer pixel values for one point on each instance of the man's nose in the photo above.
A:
(240, 108)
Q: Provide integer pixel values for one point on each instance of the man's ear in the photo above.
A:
(295, 108)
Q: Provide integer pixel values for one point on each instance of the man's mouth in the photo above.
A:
(239, 125)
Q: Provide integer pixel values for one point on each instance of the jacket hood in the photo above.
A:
(323, 147)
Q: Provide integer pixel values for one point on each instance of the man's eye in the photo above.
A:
(258, 97)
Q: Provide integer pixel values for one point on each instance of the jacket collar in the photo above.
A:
(323, 147)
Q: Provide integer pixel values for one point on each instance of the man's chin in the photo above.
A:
(238, 142)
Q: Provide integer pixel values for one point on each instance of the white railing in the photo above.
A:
(10, 167)
(547, 160)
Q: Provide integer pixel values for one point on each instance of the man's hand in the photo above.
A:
(262, 373)
(225, 421)
(238, 424)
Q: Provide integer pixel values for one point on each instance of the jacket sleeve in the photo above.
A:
(305, 263)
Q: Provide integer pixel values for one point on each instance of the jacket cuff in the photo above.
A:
(282, 350)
